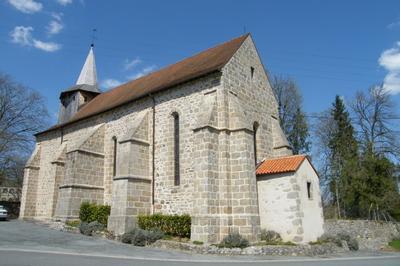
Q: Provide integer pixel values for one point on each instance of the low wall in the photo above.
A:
(298, 250)
(370, 235)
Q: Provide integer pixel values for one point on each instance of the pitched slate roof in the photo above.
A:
(201, 64)
(280, 165)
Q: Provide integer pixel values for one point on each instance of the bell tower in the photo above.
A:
(85, 89)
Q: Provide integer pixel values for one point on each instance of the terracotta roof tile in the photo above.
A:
(280, 165)
(198, 65)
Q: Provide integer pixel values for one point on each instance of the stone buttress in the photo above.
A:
(225, 196)
(84, 174)
(131, 189)
(30, 186)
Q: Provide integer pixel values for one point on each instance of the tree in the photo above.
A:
(373, 112)
(373, 115)
(377, 190)
(338, 153)
(22, 113)
(292, 119)
(343, 156)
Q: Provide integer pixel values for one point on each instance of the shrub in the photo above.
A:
(198, 242)
(173, 225)
(86, 212)
(338, 240)
(234, 240)
(88, 228)
(103, 211)
(352, 244)
(330, 238)
(270, 236)
(140, 237)
(90, 212)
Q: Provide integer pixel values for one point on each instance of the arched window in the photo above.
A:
(177, 180)
(255, 128)
(114, 155)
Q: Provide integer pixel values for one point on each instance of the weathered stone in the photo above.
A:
(125, 157)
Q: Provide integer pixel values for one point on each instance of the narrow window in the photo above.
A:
(255, 128)
(176, 150)
(252, 72)
(309, 190)
(114, 155)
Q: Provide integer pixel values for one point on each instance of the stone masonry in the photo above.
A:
(108, 158)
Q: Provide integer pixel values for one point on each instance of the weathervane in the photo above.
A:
(93, 37)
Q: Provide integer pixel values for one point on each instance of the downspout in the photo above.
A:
(153, 107)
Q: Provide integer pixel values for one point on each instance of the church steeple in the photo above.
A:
(84, 91)
(88, 73)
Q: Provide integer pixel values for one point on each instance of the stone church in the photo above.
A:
(199, 137)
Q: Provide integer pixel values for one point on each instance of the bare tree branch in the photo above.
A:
(22, 113)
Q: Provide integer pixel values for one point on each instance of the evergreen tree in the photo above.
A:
(344, 164)
(378, 195)
(298, 133)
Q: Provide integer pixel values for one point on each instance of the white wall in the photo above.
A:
(277, 211)
(284, 205)
(313, 220)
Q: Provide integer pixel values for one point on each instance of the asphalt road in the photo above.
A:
(23, 243)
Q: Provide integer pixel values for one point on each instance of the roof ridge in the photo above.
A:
(195, 66)
(244, 36)
(288, 156)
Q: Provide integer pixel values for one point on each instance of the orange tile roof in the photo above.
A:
(280, 165)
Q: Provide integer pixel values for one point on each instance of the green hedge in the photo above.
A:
(90, 212)
(173, 225)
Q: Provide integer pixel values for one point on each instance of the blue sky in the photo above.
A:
(328, 47)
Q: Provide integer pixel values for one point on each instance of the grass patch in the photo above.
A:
(175, 238)
(395, 244)
(275, 243)
(318, 242)
(198, 242)
(73, 223)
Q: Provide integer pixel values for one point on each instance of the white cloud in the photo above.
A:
(390, 60)
(54, 27)
(64, 2)
(129, 64)
(26, 6)
(393, 25)
(143, 72)
(110, 83)
(23, 36)
(57, 16)
(46, 46)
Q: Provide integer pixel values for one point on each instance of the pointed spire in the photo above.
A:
(88, 73)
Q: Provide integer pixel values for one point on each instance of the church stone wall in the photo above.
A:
(217, 161)
(256, 97)
(186, 100)
(46, 176)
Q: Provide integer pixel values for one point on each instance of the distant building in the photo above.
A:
(185, 139)
(10, 194)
